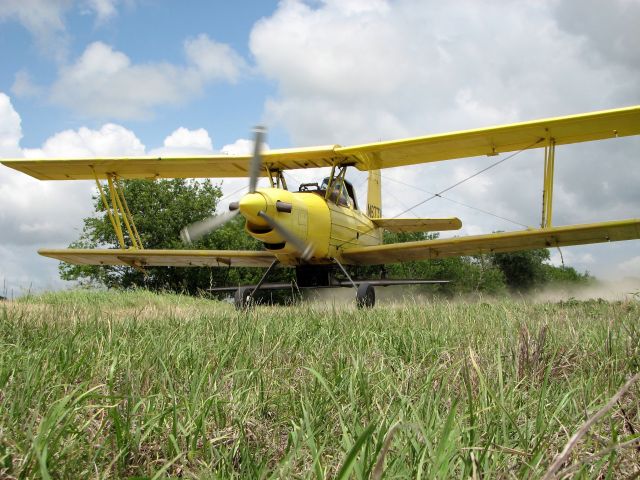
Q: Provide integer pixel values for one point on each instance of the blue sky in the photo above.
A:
(131, 77)
(149, 31)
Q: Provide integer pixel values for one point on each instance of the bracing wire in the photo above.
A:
(439, 194)
(495, 164)
(244, 187)
(400, 202)
(458, 202)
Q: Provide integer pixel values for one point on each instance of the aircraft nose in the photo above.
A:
(251, 204)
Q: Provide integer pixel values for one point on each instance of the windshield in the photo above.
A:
(339, 193)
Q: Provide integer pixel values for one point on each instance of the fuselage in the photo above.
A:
(326, 225)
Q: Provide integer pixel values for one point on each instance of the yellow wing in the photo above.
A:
(495, 242)
(418, 224)
(162, 258)
(432, 148)
(207, 166)
(493, 140)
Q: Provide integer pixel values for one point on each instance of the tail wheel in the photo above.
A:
(366, 296)
(242, 298)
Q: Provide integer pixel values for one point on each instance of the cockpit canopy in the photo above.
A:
(342, 192)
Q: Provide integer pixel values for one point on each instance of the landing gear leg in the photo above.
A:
(366, 296)
(244, 296)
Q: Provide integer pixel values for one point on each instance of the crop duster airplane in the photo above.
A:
(320, 228)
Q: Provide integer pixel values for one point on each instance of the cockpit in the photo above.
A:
(341, 192)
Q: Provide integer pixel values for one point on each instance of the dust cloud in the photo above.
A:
(610, 290)
(391, 295)
(618, 290)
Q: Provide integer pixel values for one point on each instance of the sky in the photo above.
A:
(134, 77)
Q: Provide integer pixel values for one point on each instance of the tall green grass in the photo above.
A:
(102, 385)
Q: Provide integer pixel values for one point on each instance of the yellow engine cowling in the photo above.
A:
(293, 211)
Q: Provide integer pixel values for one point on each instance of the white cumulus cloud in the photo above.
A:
(105, 83)
(23, 85)
(213, 60)
(104, 10)
(110, 140)
(185, 142)
(409, 67)
(241, 146)
(44, 19)
(10, 128)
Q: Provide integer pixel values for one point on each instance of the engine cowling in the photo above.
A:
(292, 210)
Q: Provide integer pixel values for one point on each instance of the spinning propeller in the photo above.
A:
(251, 202)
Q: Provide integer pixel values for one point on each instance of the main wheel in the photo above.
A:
(242, 298)
(366, 296)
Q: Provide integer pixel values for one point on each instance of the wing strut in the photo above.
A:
(547, 189)
(117, 210)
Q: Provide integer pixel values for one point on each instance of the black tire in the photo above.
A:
(366, 296)
(242, 298)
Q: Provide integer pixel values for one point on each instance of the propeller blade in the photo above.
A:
(197, 230)
(256, 161)
(304, 249)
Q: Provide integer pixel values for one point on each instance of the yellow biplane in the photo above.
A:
(320, 228)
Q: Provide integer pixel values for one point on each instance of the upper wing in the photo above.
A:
(495, 242)
(493, 140)
(162, 258)
(207, 166)
(418, 224)
(432, 148)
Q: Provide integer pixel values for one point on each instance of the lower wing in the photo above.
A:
(162, 258)
(495, 242)
(418, 224)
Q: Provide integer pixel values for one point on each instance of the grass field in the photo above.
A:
(101, 384)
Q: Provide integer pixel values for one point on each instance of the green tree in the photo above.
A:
(522, 270)
(160, 210)
(527, 270)
(566, 275)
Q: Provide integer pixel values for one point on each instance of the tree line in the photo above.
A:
(162, 208)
